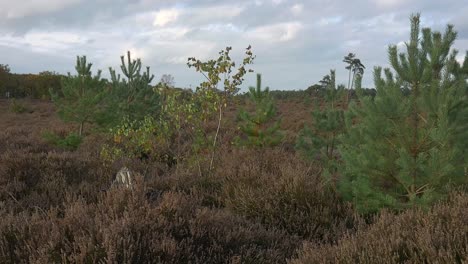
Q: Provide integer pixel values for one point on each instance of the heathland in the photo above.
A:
(330, 174)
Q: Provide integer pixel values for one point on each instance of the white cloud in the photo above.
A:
(277, 32)
(165, 16)
(331, 20)
(194, 16)
(352, 43)
(229, 27)
(48, 42)
(401, 45)
(297, 9)
(461, 45)
(277, 2)
(167, 33)
(460, 58)
(213, 13)
(168, 52)
(389, 3)
(386, 24)
(18, 9)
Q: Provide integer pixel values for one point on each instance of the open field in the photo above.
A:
(264, 205)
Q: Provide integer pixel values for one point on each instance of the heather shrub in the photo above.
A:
(43, 179)
(13, 138)
(124, 227)
(438, 235)
(283, 192)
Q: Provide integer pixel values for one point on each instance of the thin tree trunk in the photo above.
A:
(216, 137)
(350, 90)
(415, 143)
(349, 78)
(80, 132)
(349, 81)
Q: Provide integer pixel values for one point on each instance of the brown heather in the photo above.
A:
(437, 236)
(258, 206)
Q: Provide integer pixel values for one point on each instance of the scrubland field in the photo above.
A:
(258, 206)
(330, 174)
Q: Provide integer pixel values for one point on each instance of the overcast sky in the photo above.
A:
(296, 42)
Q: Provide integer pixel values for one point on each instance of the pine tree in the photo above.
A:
(320, 142)
(407, 150)
(356, 70)
(81, 96)
(259, 128)
(133, 97)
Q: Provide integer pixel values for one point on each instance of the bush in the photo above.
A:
(435, 236)
(270, 187)
(46, 179)
(283, 192)
(69, 142)
(17, 107)
(124, 227)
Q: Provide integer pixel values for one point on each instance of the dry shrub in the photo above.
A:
(124, 227)
(271, 187)
(283, 192)
(18, 138)
(436, 236)
(36, 174)
(257, 206)
(43, 179)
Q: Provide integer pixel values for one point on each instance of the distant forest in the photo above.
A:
(37, 86)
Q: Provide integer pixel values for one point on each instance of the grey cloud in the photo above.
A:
(294, 47)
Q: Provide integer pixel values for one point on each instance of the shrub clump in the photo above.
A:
(68, 142)
(45, 179)
(124, 227)
(283, 192)
(17, 107)
(415, 236)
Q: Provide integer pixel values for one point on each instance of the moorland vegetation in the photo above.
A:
(330, 174)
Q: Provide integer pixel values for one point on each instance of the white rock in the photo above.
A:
(124, 178)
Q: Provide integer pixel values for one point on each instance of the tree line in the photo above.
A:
(37, 86)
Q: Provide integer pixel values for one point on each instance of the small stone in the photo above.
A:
(123, 178)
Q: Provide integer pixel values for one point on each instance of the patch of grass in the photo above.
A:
(17, 107)
(69, 142)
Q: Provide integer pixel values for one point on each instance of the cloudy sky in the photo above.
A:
(296, 42)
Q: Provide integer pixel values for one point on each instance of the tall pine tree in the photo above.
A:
(133, 96)
(260, 129)
(320, 142)
(81, 96)
(407, 150)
